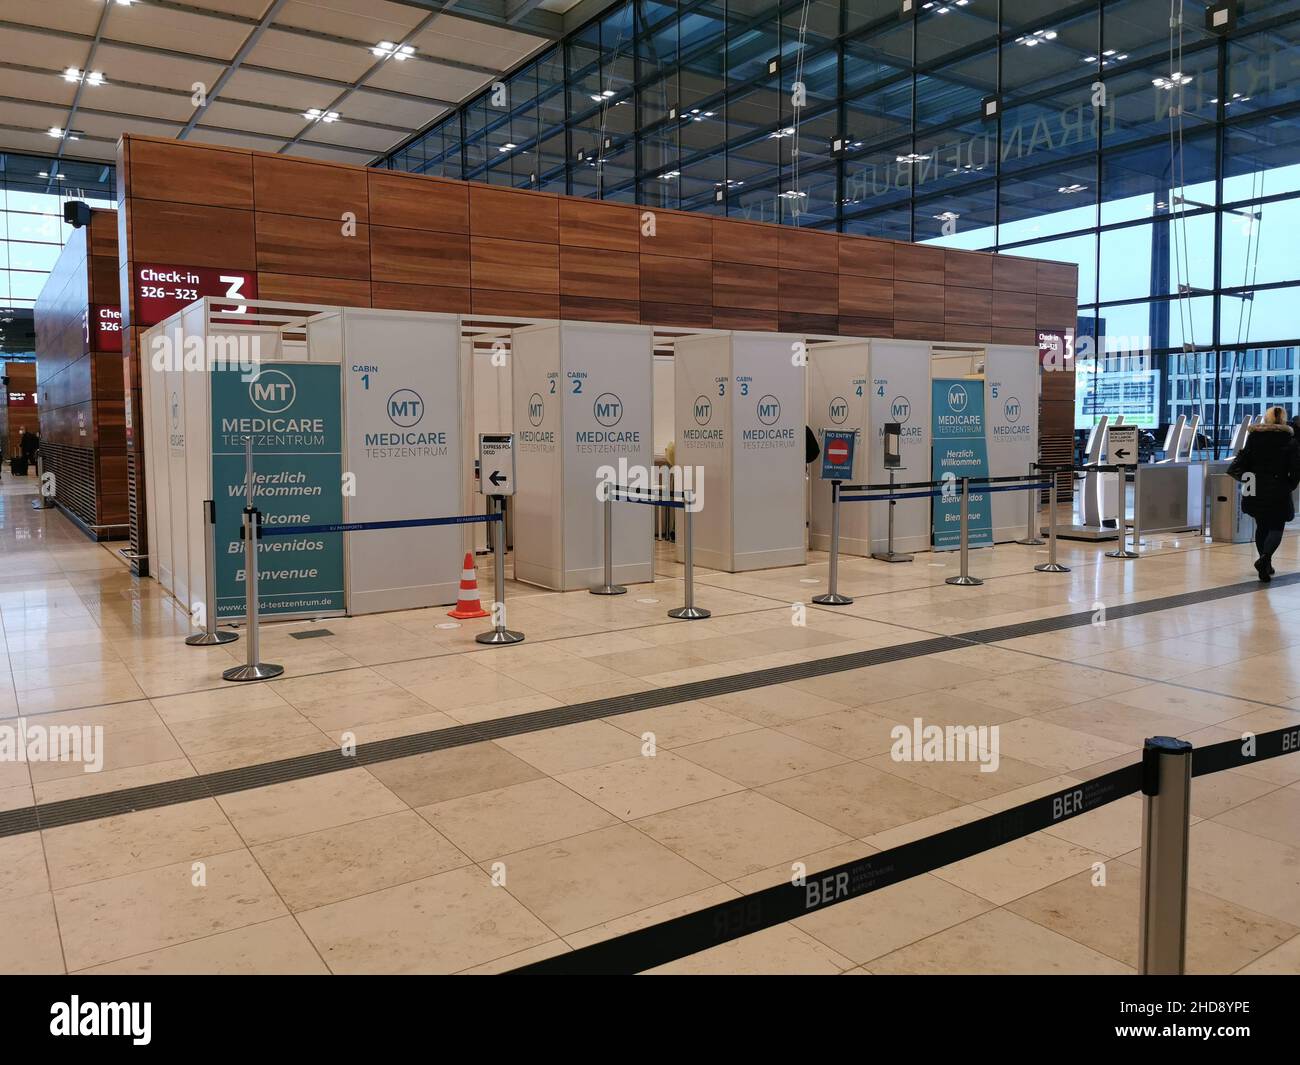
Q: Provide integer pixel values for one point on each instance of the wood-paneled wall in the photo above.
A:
(318, 232)
(83, 427)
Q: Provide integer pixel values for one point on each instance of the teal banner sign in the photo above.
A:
(959, 449)
(293, 413)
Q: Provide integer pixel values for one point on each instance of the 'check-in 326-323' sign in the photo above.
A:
(161, 290)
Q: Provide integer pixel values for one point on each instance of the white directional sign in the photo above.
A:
(496, 464)
(1122, 445)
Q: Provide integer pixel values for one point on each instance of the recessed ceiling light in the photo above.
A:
(911, 157)
(1070, 190)
(384, 49)
(315, 114)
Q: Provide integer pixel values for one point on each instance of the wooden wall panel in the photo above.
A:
(676, 281)
(745, 242)
(416, 257)
(916, 262)
(593, 224)
(406, 201)
(306, 189)
(312, 247)
(686, 236)
(190, 173)
(514, 265)
(866, 297)
(806, 292)
(742, 286)
(593, 273)
(916, 302)
(513, 215)
(867, 257)
(399, 297)
(182, 234)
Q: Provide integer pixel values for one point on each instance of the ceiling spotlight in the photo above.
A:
(670, 175)
(791, 194)
(384, 49)
(315, 114)
(1174, 79)
(1070, 190)
(64, 134)
(507, 147)
(93, 77)
(778, 134)
(1030, 40)
(947, 216)
(911, 157)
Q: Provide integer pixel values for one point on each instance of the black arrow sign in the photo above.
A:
(1122, 452)
(497, 477)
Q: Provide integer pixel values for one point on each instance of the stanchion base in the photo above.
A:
(1051, 567)
(1122, 554)
(689, 613)
(1031, 542)
(965, 582)
(260, 671)
(832, 599)
(609, 589)
(892, 556)
(499, 636)
(207, 639)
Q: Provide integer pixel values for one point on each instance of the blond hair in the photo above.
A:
(1275, 416)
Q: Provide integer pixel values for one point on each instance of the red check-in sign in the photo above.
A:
(161, 290)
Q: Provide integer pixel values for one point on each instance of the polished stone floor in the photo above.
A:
(483, 857)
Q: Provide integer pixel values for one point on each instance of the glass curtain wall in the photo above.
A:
(33, 190)
(1165, 163)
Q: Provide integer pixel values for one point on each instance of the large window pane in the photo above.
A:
(1060, 201)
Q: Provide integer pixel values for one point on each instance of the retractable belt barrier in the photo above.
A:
(252, 530)
(1164, 843)
(363, 526)
(842, 493)
(613, 493)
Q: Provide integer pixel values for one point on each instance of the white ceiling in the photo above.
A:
(262, 64)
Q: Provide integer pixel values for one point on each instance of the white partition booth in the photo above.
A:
(839, 397)
(740, 408)
(355, 416)
(864, 384)
(582, 409)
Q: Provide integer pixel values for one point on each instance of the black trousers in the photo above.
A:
(1268, 537)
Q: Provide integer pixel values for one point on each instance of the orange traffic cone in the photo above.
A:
(468, 605)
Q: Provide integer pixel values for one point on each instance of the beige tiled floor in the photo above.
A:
(484, 857)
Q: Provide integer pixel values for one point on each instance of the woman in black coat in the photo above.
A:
(1269, 469)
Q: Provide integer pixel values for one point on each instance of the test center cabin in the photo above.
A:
(232, 221)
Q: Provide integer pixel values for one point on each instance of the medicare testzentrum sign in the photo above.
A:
(292, 413)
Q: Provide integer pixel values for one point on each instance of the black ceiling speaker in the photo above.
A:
(76, 213)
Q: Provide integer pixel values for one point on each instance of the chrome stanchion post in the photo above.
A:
(609, 587)
(499, 633)
(688, 611)
(1122, 550)
(1166, 820)
(965, 579)
(1032, 528)
(1137, 508)
(210, 634)
(1051, 565)
(252, 669)
(832, 596)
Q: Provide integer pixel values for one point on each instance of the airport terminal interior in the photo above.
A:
(726, 487)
